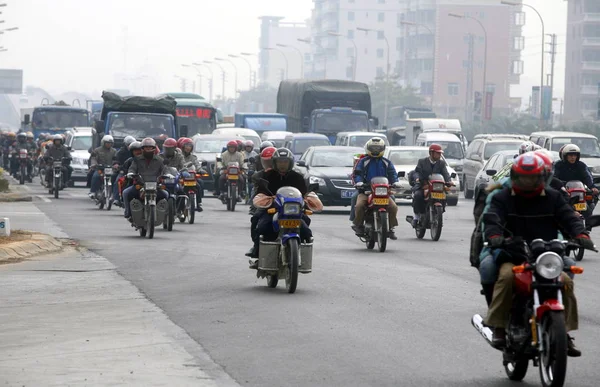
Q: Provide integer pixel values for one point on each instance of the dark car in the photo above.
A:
(330, 167)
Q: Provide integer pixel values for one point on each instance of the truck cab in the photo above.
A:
(330, 122)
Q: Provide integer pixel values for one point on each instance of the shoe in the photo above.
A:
(499, 340)
(117, 203)
(252, 253)
(415, 222)
(92, 195)
(239, 199)
(392, 235)
(253, 265)
(572, 351)
(359, 230)
(215, 193)
(199, 207)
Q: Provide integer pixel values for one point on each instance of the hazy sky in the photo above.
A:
(66, 45)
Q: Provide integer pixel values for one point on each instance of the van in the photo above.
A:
(358, 138)
(417, 126)
(452, 146)
(298, 143)
(247, 134)
(277, 137)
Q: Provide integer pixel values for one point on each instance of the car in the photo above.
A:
(300, 142)
(358, 138)
(405, 159)
(491, 168)
(80, 140)
(277, 137)
(246, 134)
(207, 147)
(331, 168)
(479, 152)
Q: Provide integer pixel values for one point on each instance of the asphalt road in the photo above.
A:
(362, 318)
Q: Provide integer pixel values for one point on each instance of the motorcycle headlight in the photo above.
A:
(438, 187)
(316, 180)
(381, 191)
(291, 209)
(549, 265)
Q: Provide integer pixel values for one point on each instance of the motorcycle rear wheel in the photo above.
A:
(272, 281)
(171, 214)
(56, 187)
(420, 232)
(382, 232)
(578, 253)
(107, 199)
(553, 361)
(142, 232)
(291, 278)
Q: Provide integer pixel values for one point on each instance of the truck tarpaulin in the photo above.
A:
(298, 98)
(136, 104)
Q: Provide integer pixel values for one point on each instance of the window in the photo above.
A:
(379, 72)
(350, 51)
(427, 64)
(452, 88)
(350, 34)
(520, 18)
(490, 163)
(490, 88)
(426, 88)
(517, 67)
(519, 43)
(482, 15)
(349, 72)
(465, 64)
(380, 35)
(350, 16)
(381, 17)
(380, 52)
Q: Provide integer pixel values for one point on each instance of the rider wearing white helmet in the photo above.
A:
(527, 146)
(104, 155)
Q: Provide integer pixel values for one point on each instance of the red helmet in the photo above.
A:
(185, 141)
(232, 143)
(170, 143)
(436, 148)
(528, 175)
(548, 162)
(239, 142)
(179, 142)
(265, 157)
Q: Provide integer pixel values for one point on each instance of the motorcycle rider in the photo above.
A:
(356, 159)
(527, 146)
(249, 149)
(231, 155)
(16, 146)
(426, 167)
(281, 175)
(570, 167)
(187, 149)
(368, 167)
(528, 210)
(266, 158)
(135, 150)
(125, 153)
(150, 167)
(259, 171)
(58, 151)
(104, 155)
(258, 166)
(171, 156)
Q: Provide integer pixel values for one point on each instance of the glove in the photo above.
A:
(496, 241)
(396, 185)
(130, 175)
(585, 241)
(169, 176)
(360, 184)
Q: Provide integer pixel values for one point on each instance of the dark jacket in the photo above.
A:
(125, 166)
(57, 152)
(103, 156)
(565, 171)
(150, 170)
(276, 181)
(425, 169)
(122, 155)
(531, 218)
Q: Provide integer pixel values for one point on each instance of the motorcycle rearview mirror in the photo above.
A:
(246, 160)
(204, 163)
(252, 160)
(219, 159)
(401, 173)
(69, 148)
(453, 175)
(490, 172)
(313, 187)
(593, 221)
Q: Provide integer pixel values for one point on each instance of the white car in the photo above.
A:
(80, 140)
(405, 159)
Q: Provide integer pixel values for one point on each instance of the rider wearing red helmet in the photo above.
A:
(172, 157)
(186, 145)
(434, 164)
(231, 155)
(267, 163)
(526, 209)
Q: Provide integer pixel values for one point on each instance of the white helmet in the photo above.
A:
(128, 140)
(375, 147)
(526, 146)
(571, 149)
(107, 138)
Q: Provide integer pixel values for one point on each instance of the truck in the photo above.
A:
(325, 106)
(414, 127)
(261, 122)
(54, 118)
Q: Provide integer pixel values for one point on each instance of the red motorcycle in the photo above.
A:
(376, 216)
(579, 198)
(23, 157)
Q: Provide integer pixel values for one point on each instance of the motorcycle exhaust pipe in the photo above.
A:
(484, 331)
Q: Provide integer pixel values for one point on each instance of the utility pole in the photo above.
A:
(469, 88)
(552, 53)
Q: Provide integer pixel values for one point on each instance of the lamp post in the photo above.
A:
(514, 4)
(235, 82)
(355, 60)
(199, 75)
(407, 23)
(210, 81)
(299, 53)
(284, 57)
(387, 76)
(249, 68)
(457, 15)
(223, 74)
(246, 54)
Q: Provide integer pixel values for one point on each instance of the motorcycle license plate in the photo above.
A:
(23, 155)
(381, 201)
(287, 223)
(189, 183)
(232, 177)
(347, 194)
(169, 181)
(580, 206)
(438, 195)
(108, 171)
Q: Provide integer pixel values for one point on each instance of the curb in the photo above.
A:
(17, 192)
(38, 244)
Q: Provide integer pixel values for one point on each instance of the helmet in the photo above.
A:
(179, 142)
(232, 143)
(548, 163)
(266, 157)
(264, 145)
(248, 143)
(560, 152)
(170, 143)
(375, 147)
(128, 140)
(21, 136)
(282, 154)
(148, 142)
(528, 175)
(30, 135)
(12, 134)
(570, 149)
(186, 141)
(436, 148)
(107, 138)
(58, 137)
(526, 146)
(135, 145)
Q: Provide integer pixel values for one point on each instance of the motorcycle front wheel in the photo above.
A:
(272, 281)
(56, 187)
(22, 177)
(291, 278)
(150, 221)
(436, 223)
(192, 208)
(517, 369)
(382, 230)
(171, 214)
(107, 198)
(553, 359)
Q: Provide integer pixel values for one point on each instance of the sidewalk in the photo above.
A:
(71, 319)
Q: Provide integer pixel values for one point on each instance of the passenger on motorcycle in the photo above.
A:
(135, 150)
(527, 146)
(258, 166)
(125, 153)
(231, 155)
(282, 175)
(570, 167)
(104, 155)
(368, 167)
(266, 165)
(31, 142)
(16, 146)
(57, 151)
(150, 167)
(172, 158)
(425, 168)
(528, 210)
(187, 149)
(249, 149)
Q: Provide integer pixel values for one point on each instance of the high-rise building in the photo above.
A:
(582, 74)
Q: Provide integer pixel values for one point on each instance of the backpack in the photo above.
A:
(386, 162)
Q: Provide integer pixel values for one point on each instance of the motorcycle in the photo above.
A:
(147, 213)
(170, 185)
(230, 197)
(536, 329)
(104, 196)
(435, 206)
(287, 255)
(22, 174)
(249, 185)
(579, 197)
(57, 179)
(188, 188)
(377, 217)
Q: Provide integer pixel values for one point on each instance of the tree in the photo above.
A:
(398, 96)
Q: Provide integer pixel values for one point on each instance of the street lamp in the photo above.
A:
(249, 67)
(284, 57)
(210, 81)
(459, 16)
(223, 73)
(199, 76)
(235, 81)
(355, 61)
(407, 23)
(182, 84)
(387, 75)
(514, 4)
(299, 53)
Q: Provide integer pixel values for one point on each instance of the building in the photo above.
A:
(582, 72)
(281, 55)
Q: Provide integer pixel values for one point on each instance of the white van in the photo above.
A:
(277, 137)
(425, 125)
(248, 134)
(453, 148)
(358, 138)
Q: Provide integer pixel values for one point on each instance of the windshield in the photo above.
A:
(407, 157)
(82, 143)
(589, 146)
(360, 141)
(340, 122)
(198, 120)
(452, 150)
(140, 125)
(301, 145)
(493, 147)
(254, 139)
(327, 158)
(209, 145)
(59, 118)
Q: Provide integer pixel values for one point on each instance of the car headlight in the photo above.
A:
(549, 265)
(291, 209)
(596, 169)
(79, 161)
(458, 168)
(316, 180)
(381, 191)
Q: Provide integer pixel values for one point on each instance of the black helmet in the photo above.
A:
(283, 154)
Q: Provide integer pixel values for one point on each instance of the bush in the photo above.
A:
(3, 182)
